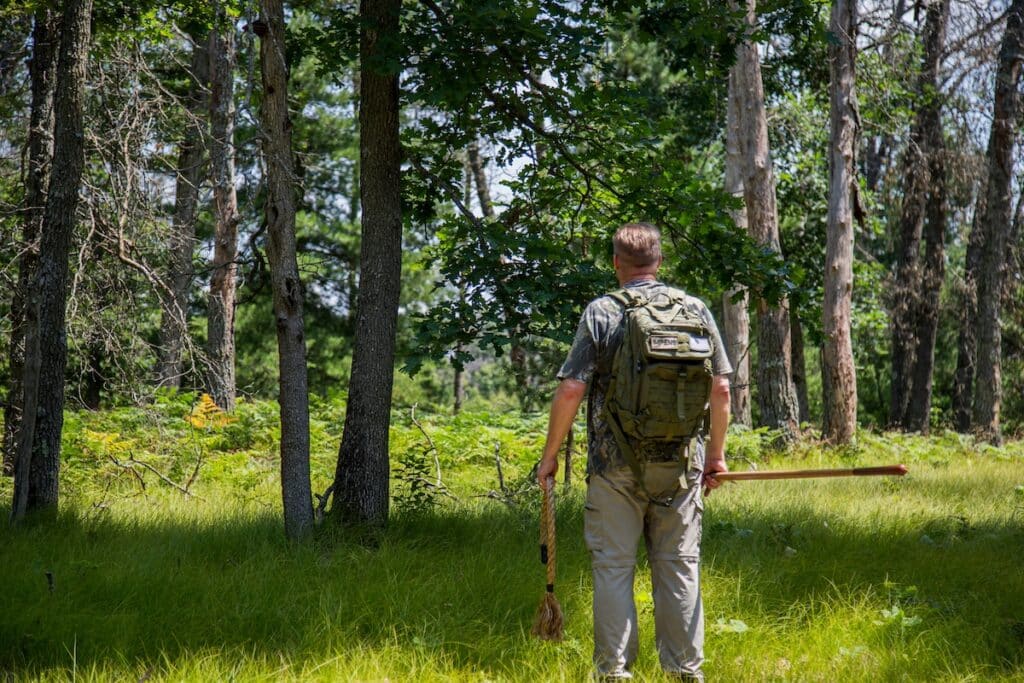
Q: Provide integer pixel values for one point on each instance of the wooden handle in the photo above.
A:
(885, 470)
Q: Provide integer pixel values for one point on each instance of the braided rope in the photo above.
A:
(548, 530)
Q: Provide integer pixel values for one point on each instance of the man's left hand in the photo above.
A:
(711, 466)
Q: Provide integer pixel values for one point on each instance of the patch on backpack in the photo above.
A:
(663, 343)
(700, 344)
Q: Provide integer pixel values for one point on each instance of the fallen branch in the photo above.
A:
(132, 462)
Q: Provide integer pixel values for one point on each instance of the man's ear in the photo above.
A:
(615, 261)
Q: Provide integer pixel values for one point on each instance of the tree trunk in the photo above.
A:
(996, 225)
(458, 390)
(776, 395)
(181, 245)
(220, 344)
(94, 384)
(905, 290)
(840, 423)
(570, 445)
(914, 308)
(483, 191)
(967, 341)
(293, 398)
(37, 472)
(799, 367)
(362, 476)
(933, 271)
(517, 351)
(37, 176)
(736, 316)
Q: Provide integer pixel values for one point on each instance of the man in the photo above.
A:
(619, 509)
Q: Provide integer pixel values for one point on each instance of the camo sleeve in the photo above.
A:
(582, 359)
(720, 360)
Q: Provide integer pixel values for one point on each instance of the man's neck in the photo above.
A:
(637, 279)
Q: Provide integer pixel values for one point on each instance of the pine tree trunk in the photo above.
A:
(736, 316)
(220, 344)
(933, 270)
(362, 475)
(840, 411)
(37, 474)
(904, 294)
(296, 491)
(776, 395)
(182, 242)
(967, 340)
(40, 150)
(914, 308)
(996, 226)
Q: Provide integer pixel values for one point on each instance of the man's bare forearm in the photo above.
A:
(719, 418)
(564, 406)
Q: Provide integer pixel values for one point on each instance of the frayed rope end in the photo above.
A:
(547, 625)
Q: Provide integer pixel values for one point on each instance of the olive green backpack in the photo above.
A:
(661, 375)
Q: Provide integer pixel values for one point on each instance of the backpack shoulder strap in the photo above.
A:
(626, 298)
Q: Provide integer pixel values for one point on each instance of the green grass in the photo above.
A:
(917, 579)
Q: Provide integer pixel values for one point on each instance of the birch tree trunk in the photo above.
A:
(293, 397)
(996, 225)
(362, 476)
(220, 343)
(776, 395)
(40, 150)
(736, 316)
(182, 242)
(37, 470)
(838, 372)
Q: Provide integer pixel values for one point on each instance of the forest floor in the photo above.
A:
(919, 578)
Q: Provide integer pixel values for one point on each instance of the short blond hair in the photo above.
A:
(638, 245)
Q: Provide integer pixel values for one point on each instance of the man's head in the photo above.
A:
(637, 251)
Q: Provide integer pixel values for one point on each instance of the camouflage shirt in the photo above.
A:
(590, 360)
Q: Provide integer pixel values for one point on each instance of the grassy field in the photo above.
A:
(918, 579)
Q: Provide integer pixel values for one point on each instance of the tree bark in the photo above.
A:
(362, 475)
(967, 340)
(914, 308)
(838, 372)
(458, 388)
(293, 398)
(736, 316)
(996, 225)
(182, 242)
(483, 191)
(40, 150)
(799, 367)
(37, 473)
(933, 272)
(220, 344)
(776, 395)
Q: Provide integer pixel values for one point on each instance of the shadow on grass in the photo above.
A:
(453, 588)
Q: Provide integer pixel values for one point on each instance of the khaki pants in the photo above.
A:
(616, 514)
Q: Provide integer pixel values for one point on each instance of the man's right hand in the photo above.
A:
(546, 471)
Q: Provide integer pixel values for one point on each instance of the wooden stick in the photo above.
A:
(893, 470)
